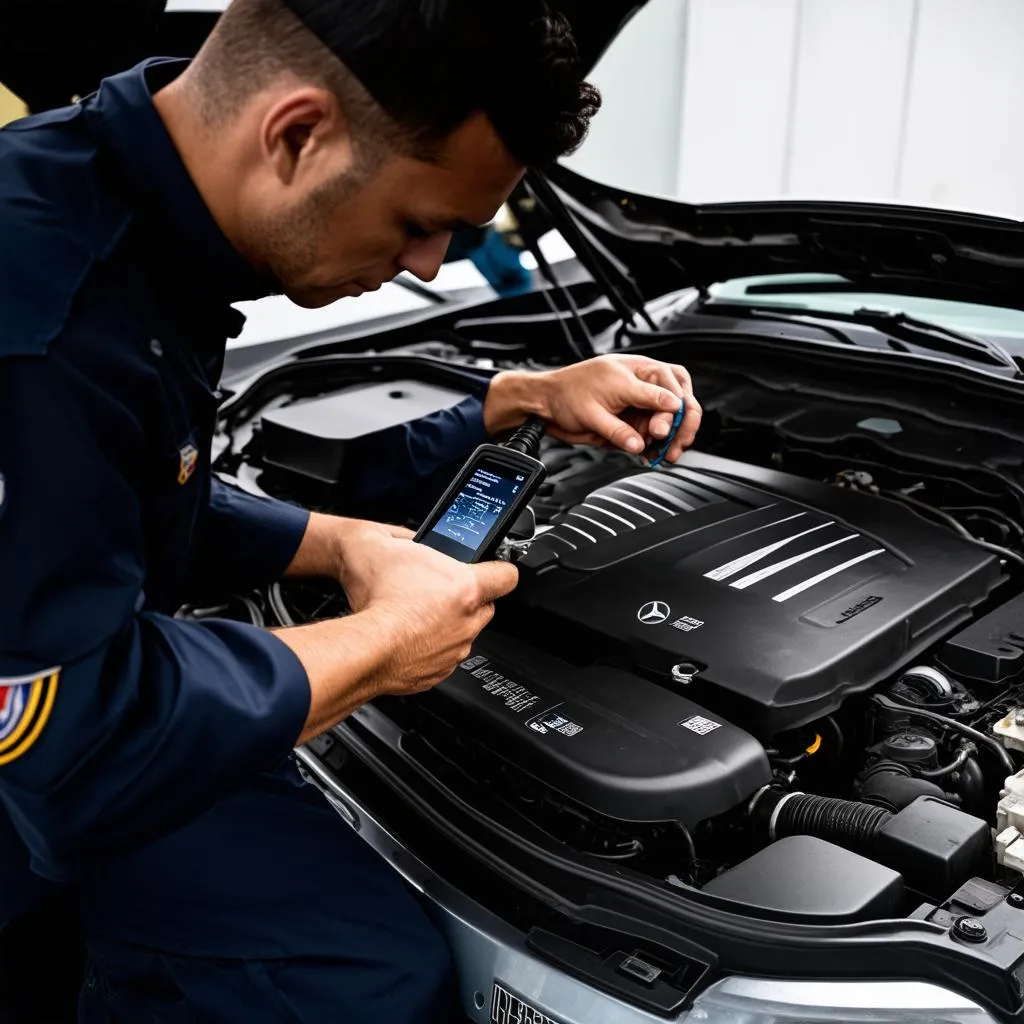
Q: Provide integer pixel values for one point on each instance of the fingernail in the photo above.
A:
(634, 444)
(659, 429)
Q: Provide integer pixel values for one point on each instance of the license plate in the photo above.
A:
(507, 1008)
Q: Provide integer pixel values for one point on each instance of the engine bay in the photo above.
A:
(744, 678)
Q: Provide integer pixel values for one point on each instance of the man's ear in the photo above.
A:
(305, 134)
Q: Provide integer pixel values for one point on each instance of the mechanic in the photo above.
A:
(314, 148)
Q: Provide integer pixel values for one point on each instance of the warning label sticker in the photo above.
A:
(554, 720)
(700, 725)
(516, 696)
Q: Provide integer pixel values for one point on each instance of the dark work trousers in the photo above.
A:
(268, 909)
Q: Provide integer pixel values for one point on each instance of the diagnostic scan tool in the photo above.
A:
(480, 507)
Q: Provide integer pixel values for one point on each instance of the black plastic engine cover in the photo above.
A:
(614, 743)
(784, 594)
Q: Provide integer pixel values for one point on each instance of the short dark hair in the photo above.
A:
(409, 72)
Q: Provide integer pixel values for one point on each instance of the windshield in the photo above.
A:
(993, 321)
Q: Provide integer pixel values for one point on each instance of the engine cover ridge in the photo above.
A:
(783, 594)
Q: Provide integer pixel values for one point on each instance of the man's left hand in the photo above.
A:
(627, 401)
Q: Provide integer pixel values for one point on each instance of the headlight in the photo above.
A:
(757, 1001)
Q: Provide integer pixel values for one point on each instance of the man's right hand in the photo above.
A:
(416, 613)
(432, 606)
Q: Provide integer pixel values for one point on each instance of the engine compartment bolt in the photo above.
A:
(1016, 899)
(969, 929)
(684, 672)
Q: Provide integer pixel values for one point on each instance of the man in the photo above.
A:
(315, 148)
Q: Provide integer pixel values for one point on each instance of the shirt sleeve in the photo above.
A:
(414, 461)
(116, 723)
(249, 540)
(246, 540)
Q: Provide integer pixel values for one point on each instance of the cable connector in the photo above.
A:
(526, 439)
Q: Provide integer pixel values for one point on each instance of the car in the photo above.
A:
(747, 742)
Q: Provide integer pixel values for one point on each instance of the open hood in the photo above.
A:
(597, 24)
(667, 245)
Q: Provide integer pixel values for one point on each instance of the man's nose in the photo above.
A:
(423, 257)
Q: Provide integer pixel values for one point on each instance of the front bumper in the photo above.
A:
(487, 950)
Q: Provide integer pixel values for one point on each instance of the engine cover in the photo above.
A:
(782, 595)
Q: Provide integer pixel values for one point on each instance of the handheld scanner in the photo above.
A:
(483, 502)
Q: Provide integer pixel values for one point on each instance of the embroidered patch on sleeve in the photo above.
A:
(188, 457)
(25, 706)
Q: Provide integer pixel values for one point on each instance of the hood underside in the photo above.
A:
(669, 245)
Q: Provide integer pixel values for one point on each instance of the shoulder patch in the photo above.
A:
(25, 706)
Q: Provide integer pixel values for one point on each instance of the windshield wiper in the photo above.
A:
(940, 337)
(901, 328)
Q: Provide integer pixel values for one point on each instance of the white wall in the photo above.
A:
(635, 137)
(920, 101)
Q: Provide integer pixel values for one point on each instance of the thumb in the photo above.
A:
(496, 579)
(400, 532)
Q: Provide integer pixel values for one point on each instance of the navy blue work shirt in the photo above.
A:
(118, 721)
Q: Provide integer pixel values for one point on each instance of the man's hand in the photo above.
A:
(627, 401)
(435, 605)
(416, 613)
(327, 540)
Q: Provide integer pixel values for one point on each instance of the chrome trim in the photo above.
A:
(815, 580)
(576, 529)
(687, 507)
(557, 536)
(613, 515)
(756, 1000)
(640, 497)
(776, 567)
(580, 515)
(723, 572)
(649, 518)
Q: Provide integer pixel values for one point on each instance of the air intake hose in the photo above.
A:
(846, 823)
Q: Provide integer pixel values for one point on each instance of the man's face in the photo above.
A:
(342, 231)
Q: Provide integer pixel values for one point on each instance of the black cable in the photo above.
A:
(989, 511)
(527, 438)
(997, 549)
(278, 606)
(988, 742)
(947, 769)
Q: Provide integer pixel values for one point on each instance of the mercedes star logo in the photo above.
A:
(653, 612)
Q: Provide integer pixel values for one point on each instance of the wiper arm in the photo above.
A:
(940, 337)
(900, 326)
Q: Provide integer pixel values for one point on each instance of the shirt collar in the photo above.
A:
(149, 167)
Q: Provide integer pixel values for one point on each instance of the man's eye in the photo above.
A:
(414, 230)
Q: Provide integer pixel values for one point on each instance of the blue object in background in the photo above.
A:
(495, 257)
